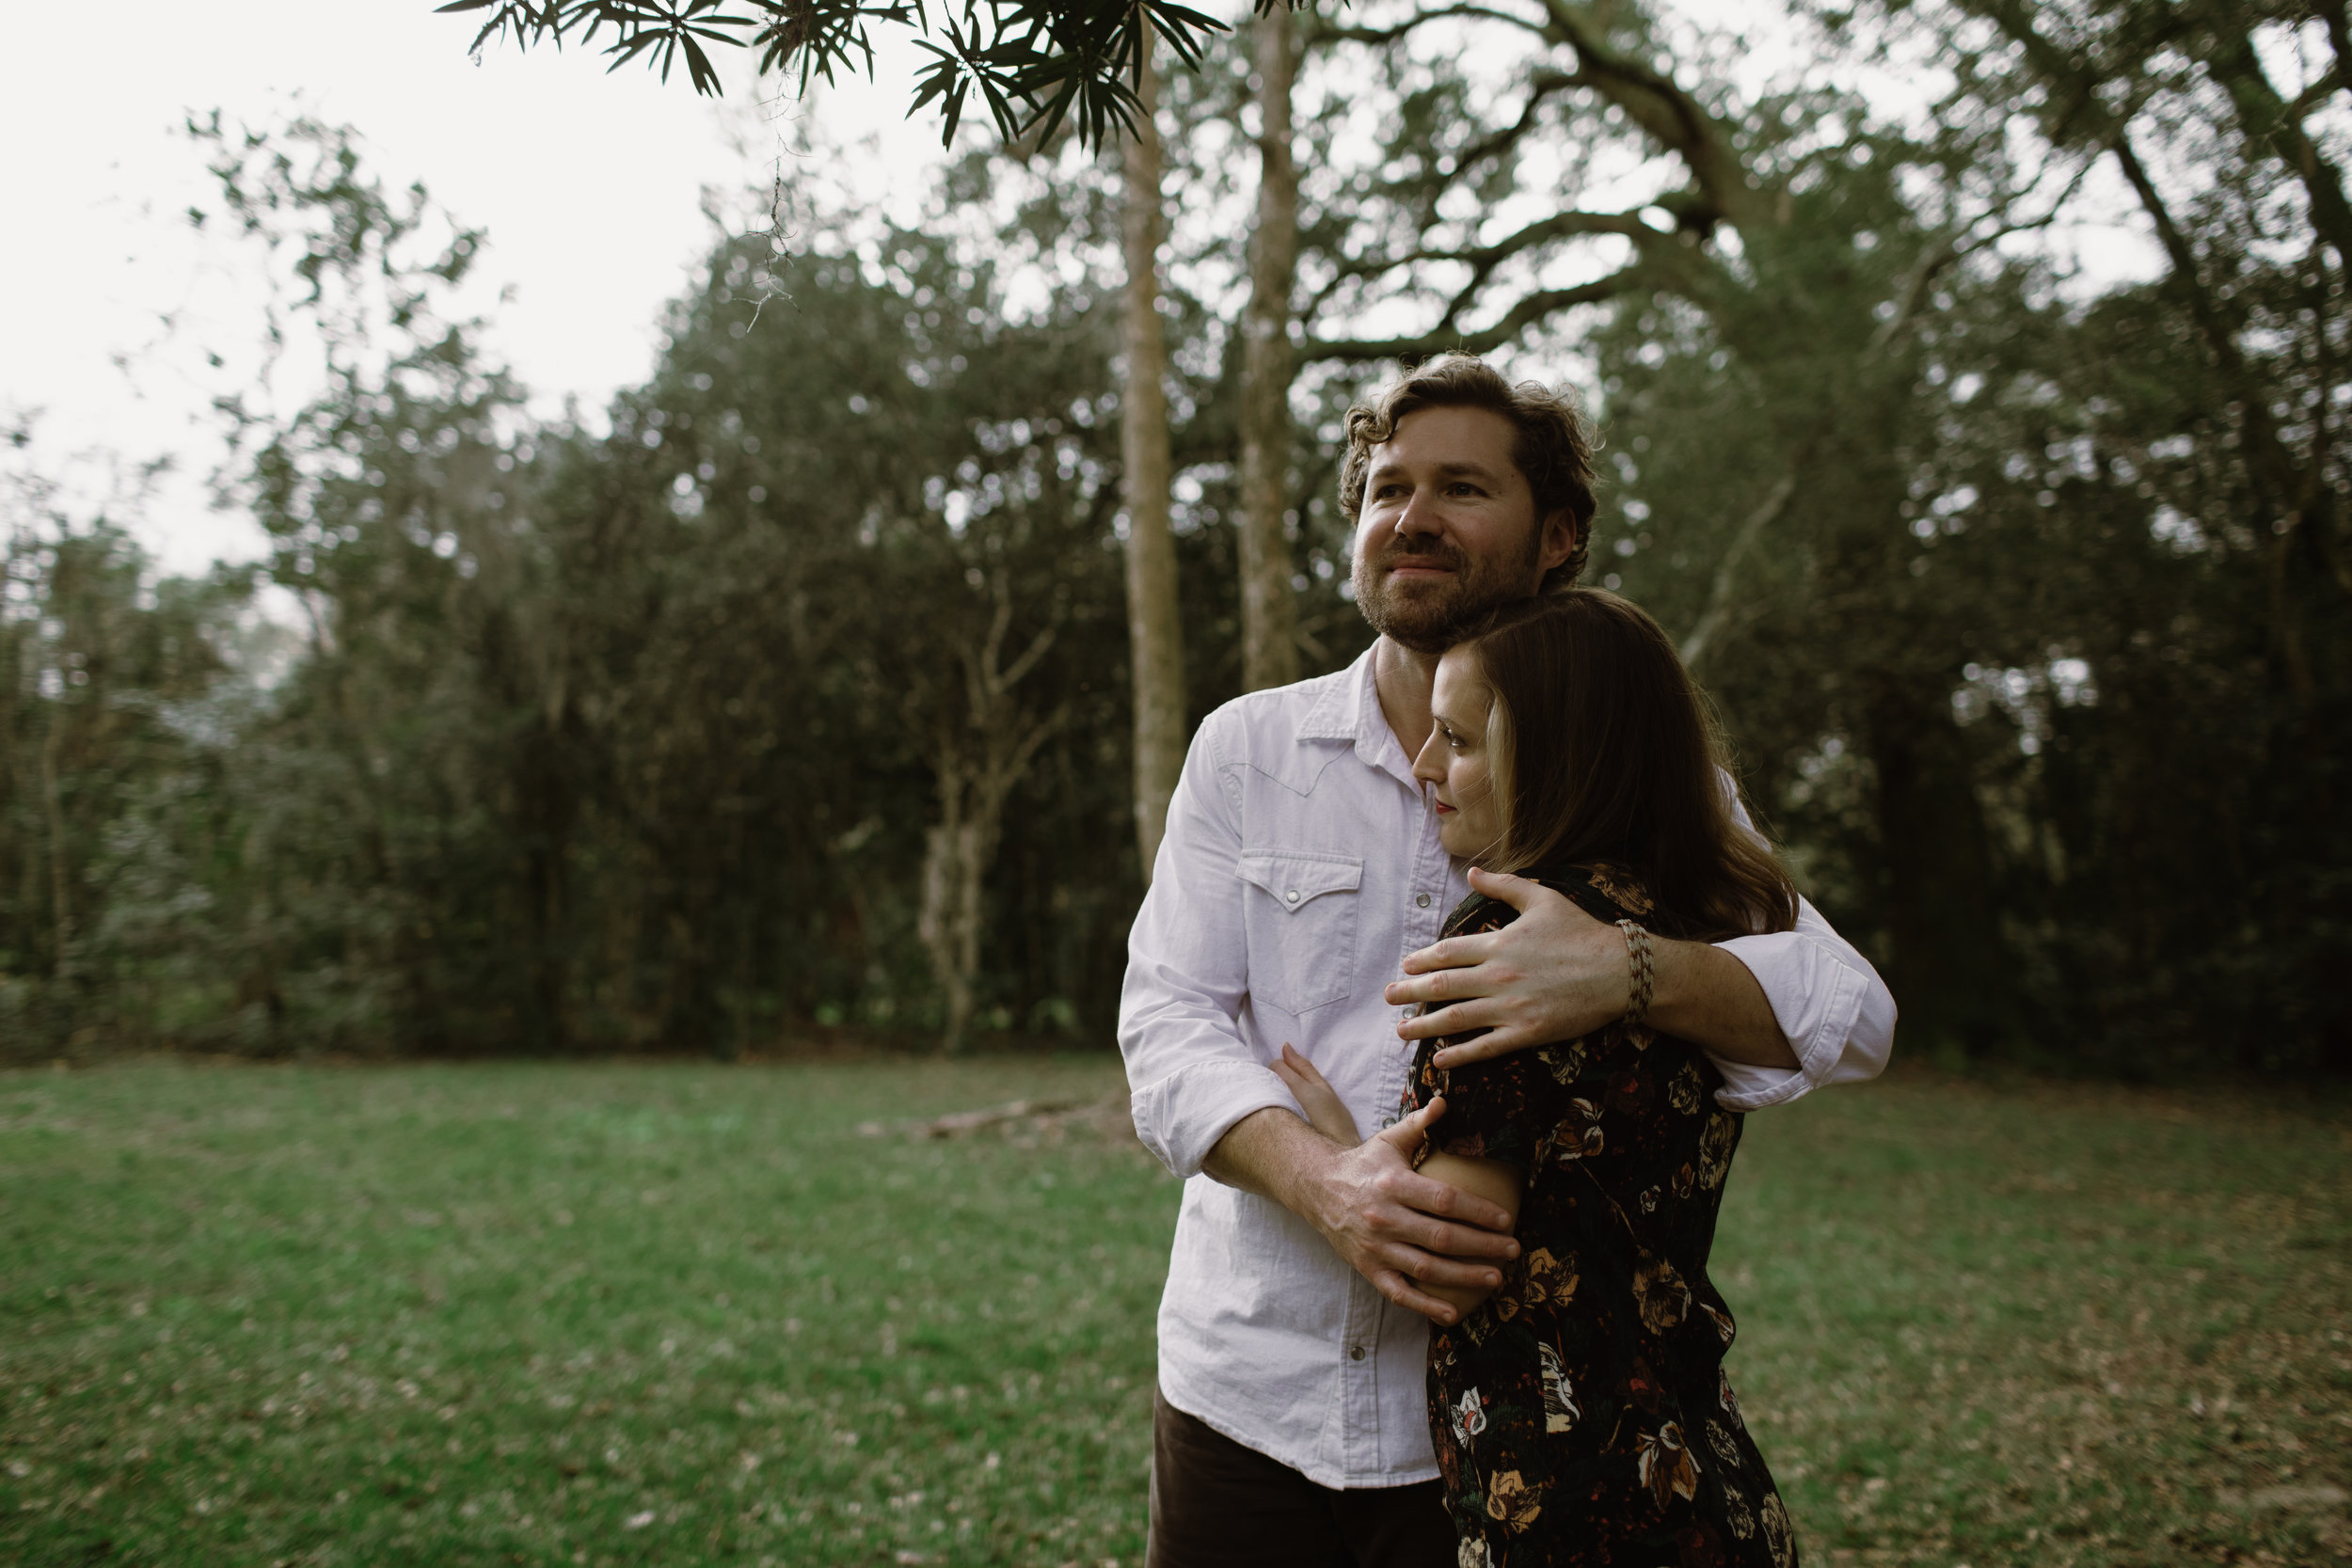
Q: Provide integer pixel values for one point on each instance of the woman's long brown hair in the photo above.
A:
(1603, 749)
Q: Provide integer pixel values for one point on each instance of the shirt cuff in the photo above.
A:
(1815, 1026)
(1181, 1117)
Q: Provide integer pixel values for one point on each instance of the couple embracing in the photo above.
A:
(1439, 1292)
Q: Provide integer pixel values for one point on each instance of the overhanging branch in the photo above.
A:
(1526, 313)
(1667, 112)
(1484, 259)
(1333, 33)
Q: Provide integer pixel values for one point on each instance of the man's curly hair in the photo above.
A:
(1553, 447)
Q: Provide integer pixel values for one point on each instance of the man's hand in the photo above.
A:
(1555, 973)
(1394, 1225)
(1398, 1228)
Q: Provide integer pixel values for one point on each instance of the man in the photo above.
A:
(1301, 871)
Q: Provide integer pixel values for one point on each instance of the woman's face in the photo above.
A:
(1456, 762)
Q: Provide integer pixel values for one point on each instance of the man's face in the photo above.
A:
(1448, 529)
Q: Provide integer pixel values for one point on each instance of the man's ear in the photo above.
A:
(1561, 539)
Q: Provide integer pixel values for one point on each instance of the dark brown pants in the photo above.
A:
(1216, 1504)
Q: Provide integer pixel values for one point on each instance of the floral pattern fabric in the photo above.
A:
(1581, 1415)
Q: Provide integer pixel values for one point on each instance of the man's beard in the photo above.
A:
(1435, 613)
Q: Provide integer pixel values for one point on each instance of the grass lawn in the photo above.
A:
(683, 1314)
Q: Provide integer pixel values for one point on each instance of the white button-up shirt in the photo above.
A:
(1302, 864)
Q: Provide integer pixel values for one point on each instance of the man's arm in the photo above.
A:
(1202, 1100)
(1190, 1073)
(1399, 1228)
(1781, 1013)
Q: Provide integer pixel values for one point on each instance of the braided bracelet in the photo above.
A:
(1637, 959)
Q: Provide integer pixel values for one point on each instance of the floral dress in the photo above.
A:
(1580, 1415)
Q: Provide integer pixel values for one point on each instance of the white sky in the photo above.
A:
(590, 186)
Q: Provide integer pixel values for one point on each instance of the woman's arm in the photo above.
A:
(1325, 1111)
(1492, 1179)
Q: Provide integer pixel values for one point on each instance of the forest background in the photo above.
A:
(831, 687)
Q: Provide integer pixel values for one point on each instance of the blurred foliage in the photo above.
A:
(798, 699)
(601, 742)
(2043, 669)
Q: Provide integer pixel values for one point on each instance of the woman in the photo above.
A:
(1580, 1411)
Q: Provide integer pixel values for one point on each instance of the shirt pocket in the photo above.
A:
(1298, 917)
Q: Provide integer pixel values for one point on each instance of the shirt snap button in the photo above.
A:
(1354, 1353)
(1420, 901)
(1291, 895)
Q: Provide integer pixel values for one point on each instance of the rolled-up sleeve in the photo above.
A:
(1191, 1075)
(1837, 1014)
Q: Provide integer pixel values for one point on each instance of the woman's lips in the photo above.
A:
(1443, 810)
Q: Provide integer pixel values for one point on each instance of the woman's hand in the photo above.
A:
(1325, 1111)
(1553, 974)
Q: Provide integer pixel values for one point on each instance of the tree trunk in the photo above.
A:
(60, 876)
(955, 858)
(1269, 613)
(978, 757)
(1154, 632)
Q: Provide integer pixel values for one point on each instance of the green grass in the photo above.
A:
(683, 1314)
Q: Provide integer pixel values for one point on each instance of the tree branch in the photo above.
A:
(1486, 258)
(1709, 624)
(1956, 247)
(1528, 311)
(2268, 120)
(1329, 33)
(1542, 85)
(1668, 113)
(2339, 43)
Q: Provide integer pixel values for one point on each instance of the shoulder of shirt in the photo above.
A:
(1275, 713)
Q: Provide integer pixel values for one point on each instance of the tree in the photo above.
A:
(106, 670)
(658, 739)
(1802, 328)
(1034, 63)
(978, 756)
(1269, 615)
(878, 527)
(1155, 626)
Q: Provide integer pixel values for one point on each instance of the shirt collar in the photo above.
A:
(1338, 711)
(1348, 713)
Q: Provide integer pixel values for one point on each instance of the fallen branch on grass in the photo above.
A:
(1041, 1116)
